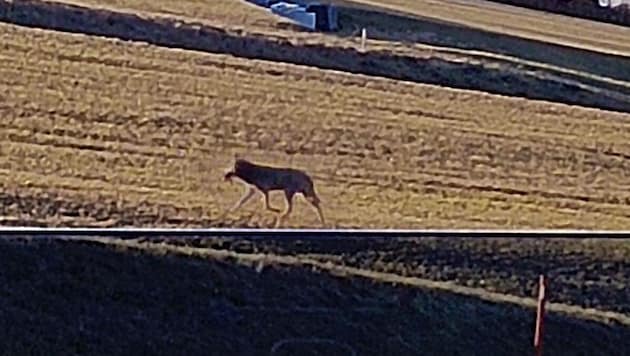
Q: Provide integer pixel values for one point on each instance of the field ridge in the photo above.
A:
(345, 271)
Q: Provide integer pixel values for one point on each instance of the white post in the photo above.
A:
(363, 38)
(540, 314)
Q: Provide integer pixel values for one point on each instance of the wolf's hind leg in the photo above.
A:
(314, 200)
(289, 196)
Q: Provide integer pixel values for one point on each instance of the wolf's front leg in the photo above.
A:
(267, 205)
(250, 193)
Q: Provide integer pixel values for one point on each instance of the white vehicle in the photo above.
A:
(613, 3)
(609, 3)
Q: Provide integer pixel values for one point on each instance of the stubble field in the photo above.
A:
(110, 133)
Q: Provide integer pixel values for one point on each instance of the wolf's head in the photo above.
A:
(228, 176)
(239, 166)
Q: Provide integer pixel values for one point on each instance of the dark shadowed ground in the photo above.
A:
(589, 273)
(83, 298)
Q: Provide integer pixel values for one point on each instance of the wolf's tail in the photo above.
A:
(312, 197)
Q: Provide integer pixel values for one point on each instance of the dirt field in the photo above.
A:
(111, 133)
(85, 298)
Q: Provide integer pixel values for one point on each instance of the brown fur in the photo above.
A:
(267, 178)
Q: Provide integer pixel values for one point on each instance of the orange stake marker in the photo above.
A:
(540, 315)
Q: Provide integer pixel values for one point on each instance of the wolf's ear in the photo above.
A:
(237, 156)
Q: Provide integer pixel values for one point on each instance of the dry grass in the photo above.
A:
(225, 13)
(90, 121)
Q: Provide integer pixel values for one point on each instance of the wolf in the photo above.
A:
(268, 178)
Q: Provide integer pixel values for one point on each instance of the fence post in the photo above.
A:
(363, 38)
(540, 314)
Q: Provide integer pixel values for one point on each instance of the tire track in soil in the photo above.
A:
(427, 182)
(101, 146)
(366, 180)
(181, 126)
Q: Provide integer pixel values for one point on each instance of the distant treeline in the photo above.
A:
(588, 9)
